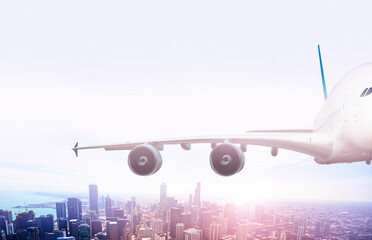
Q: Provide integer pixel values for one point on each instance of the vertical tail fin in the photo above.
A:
(323, 80)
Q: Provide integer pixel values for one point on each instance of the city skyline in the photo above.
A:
(132, 220)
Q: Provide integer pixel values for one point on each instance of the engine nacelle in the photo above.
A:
(227, 159)
(144, 160)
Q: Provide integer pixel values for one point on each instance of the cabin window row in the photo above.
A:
(366, 92)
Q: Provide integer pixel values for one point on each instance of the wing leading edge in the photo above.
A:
(318, 145)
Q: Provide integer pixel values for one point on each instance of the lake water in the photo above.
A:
(10, 199)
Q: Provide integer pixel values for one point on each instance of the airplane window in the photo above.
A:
(369, 91)
(364, 92)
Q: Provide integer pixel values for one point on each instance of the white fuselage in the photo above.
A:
(347, 117)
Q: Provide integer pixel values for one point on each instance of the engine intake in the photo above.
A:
(144, 160)
(227, 159)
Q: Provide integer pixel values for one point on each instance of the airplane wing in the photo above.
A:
(227, 157)
(318, 145)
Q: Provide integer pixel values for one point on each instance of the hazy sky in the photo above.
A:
(102, 72)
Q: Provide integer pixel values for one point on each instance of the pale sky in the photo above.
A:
(102, 72)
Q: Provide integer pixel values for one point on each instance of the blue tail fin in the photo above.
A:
(321, 69)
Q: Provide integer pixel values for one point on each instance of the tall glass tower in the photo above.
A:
(93, 198)
(74, 209)
(163, 197)
(61, 209)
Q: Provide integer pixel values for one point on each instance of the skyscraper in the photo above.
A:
(223, 221)
(62, 224)
(122, 223)
(197, 195)
(259, 213)
(96, 227)
(215, 231)
(192, 234)
(180, 231)
(186, 219)
(300, 232)
(109, 212)
(93, 198)
(241, 232)
(230, 214)
(112, 229)
(175, 218)
(317, 229)
(33, 233)
(163, 197)
(74, 209)
(83, 232)
(158, 226)
(327, 228)
(61, 209)
(45, 224)
(145, 233)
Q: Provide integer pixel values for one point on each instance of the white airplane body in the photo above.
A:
(342, 133)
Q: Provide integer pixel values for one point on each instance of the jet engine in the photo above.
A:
(227, 159)
(144, 160)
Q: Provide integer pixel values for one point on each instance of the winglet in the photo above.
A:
(75, 149)
(321, 69)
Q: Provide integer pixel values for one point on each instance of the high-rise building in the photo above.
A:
(93, 198)
(192, 234)
(54, 235)
(215, 231)
(96, 227)
(317, 229)
(22, 219)
(22, 234)
(190, 202)
(122, 223)
(74, 209)
(61, 210)
(186, 219)
(158, 226)
(327, 228)
(62, 224)
(45, 224)
(175, 218)
(145, 233)
(300, 232)
(180, 227)
(7, 214)
(101, 202)
(241, 232)
(223, 221)
(133, 205)
(112, 229)
(83, 232)
(259, 213)
(118, 213)
(163, 197)
(33, 233)
(108, 202)
(197, 195)
(4, 225)
(205, 219)
(73, 226)
(230, 214)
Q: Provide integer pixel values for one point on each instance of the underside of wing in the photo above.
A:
(227, 156)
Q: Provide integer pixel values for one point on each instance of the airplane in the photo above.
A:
(342, 133)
